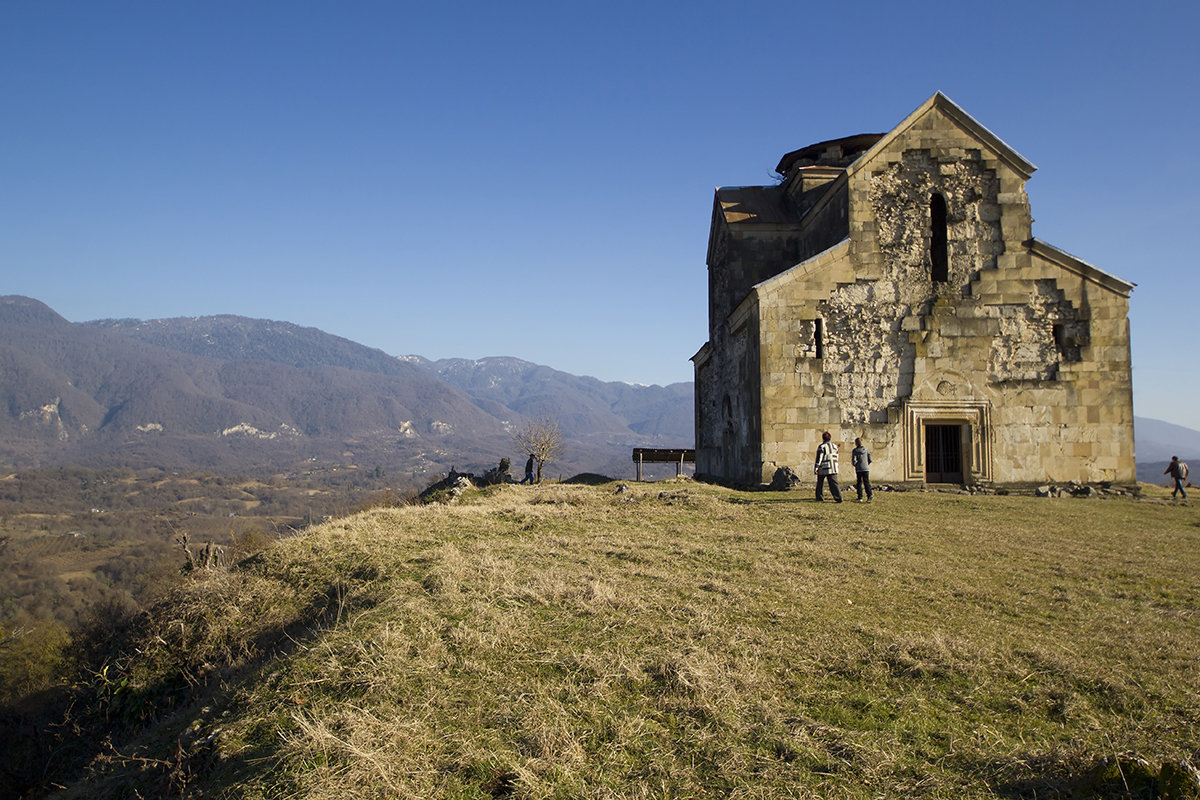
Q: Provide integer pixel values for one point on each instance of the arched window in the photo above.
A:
(938, 257)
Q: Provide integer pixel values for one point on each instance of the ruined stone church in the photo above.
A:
(889, 288)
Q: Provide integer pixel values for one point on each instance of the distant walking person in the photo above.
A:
(860, 458)
(528, 471)
(826, 467)
(1179, 471)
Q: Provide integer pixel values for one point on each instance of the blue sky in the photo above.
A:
(535, 179)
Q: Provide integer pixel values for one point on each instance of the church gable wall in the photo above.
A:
(987, 210)
(1001, 342)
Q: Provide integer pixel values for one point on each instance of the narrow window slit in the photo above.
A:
(938, 240)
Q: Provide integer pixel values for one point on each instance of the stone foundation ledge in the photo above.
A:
(786, 480)
(1056, 489)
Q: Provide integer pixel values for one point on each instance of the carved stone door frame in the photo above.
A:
(975, 415)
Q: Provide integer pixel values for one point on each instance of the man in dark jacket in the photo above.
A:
(1179, 471)
(528, 471)
(860, 457)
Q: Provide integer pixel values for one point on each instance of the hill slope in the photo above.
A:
(674, 640)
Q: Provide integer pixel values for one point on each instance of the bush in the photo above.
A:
(31, 659)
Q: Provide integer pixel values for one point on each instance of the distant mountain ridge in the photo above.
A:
(232, 393)
(580, 402)
(1158, 441)
(232, 338)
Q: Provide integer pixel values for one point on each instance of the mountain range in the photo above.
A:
(234, 393)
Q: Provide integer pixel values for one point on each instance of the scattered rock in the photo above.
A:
(449, 488)
(497, 474)
(784, 479)
(1080, 489)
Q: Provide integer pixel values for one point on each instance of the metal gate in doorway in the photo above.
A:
(943, 454)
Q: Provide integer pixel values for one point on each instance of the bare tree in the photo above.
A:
(541, 437)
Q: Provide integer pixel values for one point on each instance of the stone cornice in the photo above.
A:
(1063, 259)
(803, 269)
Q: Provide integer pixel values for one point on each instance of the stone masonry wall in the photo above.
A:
(729, 430)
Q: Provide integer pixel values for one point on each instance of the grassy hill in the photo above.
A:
(667, 640)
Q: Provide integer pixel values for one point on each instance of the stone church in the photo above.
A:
(889, 288)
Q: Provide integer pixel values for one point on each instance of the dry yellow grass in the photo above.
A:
(681, 640)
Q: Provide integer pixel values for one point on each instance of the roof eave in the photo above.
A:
(1080, 267)
(805, 267)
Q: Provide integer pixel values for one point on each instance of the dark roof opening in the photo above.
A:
(833, 153)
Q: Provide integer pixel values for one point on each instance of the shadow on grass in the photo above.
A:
(588, 479)
(1107, 778)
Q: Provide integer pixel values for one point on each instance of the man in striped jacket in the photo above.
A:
(826, 467)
